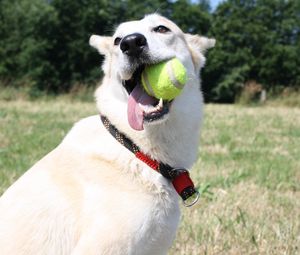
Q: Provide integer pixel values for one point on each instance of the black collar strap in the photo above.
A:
(178, 176)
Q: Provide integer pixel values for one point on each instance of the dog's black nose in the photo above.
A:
(133, 44)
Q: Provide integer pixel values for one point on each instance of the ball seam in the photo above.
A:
(172, 76)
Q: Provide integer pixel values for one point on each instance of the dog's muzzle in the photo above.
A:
(142, 108)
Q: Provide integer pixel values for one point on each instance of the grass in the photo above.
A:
(248, 170)
(29, 130)
(290, 98)
(249, 159)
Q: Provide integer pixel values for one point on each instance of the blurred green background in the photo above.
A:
(44, 43)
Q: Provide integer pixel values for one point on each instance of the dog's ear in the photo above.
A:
(198, 45)
(102, 43)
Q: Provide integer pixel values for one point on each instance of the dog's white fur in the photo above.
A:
(90, 195)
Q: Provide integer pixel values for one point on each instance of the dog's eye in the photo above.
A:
(161, 29)
(117, 40)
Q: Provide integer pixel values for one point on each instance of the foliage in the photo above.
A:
(25, 26)
(44, 43)
(256, 40)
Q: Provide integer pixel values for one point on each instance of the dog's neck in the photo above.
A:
(174, 141)
(179, 177)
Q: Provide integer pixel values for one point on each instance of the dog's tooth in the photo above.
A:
(158, 108)
(161, 103)
(147, 108)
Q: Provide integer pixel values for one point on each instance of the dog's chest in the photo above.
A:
(139, 223)
(152, 228)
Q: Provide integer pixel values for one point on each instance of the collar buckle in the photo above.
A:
(184, 186)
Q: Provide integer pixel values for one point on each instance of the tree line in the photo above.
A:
(44, 43)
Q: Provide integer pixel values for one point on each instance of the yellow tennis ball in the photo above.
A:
(164, 80)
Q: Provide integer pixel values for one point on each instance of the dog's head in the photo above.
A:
(136, 44)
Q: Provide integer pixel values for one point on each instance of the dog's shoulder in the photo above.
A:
(89, 138)
(88, 135)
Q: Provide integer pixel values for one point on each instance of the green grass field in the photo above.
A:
(248, 171)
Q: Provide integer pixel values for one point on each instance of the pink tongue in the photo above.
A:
(135, 113)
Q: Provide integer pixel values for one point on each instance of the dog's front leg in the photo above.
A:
(100, 240)
(94, 246)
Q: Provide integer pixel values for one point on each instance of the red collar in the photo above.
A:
(179, 177)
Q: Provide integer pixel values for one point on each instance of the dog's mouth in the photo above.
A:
(141, 107)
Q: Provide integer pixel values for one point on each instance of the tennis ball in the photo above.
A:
(164, 80)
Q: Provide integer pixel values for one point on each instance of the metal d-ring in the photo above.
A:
(194, 201)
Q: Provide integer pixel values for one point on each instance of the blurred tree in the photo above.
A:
(24, 39)
(191, 16)
(72, 56)
(256, 40)
(136, 9)
(45, 42)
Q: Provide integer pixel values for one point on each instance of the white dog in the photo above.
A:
(93, 194)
